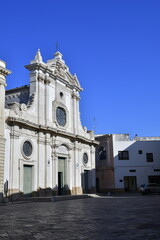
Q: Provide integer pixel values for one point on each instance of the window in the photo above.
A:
(61, 116)
(102, 153)
(85, 158)
(123, 155)
(27, 149)
(132, 170)
(140, 151)
(149, 157)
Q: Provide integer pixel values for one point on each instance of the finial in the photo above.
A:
(75, 75)
(38, 56)
(58, 55)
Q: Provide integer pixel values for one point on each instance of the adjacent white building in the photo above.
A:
(123, 164)
(43, 144)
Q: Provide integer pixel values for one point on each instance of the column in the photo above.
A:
(3, 73)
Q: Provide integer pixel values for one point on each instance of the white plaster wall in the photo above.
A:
(136, 161)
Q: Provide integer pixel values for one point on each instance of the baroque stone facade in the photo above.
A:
(43, 144)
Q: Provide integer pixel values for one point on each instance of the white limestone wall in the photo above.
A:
(7, 155)
(51, 98)
(136, 161)
(46, 97)
(69, 106)
(90, 166)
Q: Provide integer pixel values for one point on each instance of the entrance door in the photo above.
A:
(61, 176)
(27, 179)
(60, 183)
(97, 185)
(85, 181)
(130, 184)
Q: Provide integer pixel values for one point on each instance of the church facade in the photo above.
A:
(42, 142)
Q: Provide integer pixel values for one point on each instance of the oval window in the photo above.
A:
(85, 158)
(27, 148)
(61, 116)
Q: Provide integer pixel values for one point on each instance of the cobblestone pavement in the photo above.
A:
(109, 218)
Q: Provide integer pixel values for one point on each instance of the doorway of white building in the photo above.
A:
(27, 179)
(130, 183)
(61, 176)
(85, 178)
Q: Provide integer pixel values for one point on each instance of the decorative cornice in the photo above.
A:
(40, 128)
(4, 71)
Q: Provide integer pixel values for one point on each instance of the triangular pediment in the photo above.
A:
(61, 70)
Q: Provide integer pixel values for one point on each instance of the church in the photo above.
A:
(42, 142)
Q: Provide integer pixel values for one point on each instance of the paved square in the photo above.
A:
(110, 218)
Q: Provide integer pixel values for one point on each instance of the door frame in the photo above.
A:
(23, 162)
(128, 179)
(64, 175)
(31, 169)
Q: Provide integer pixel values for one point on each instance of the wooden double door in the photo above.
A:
(130, 184)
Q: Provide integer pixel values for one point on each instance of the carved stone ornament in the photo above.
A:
(23, 107)
(15, 108)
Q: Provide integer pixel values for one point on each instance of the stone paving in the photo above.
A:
(109, 218)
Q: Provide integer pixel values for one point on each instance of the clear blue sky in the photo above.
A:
(112, 45)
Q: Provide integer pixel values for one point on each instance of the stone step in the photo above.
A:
(70, 197)
(53, 198)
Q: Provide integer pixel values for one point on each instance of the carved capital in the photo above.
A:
(75, 95)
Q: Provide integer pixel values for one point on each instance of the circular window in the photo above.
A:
(61, 116)
(27, 148)
(85, 158)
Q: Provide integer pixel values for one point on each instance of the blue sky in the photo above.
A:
(112, 45)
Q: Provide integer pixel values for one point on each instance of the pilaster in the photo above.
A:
(76, 189)
(93, 171)
(48, 161)
(75, 97)
(3, 73)
(41, 164)
(13, 180)
(54, 165)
